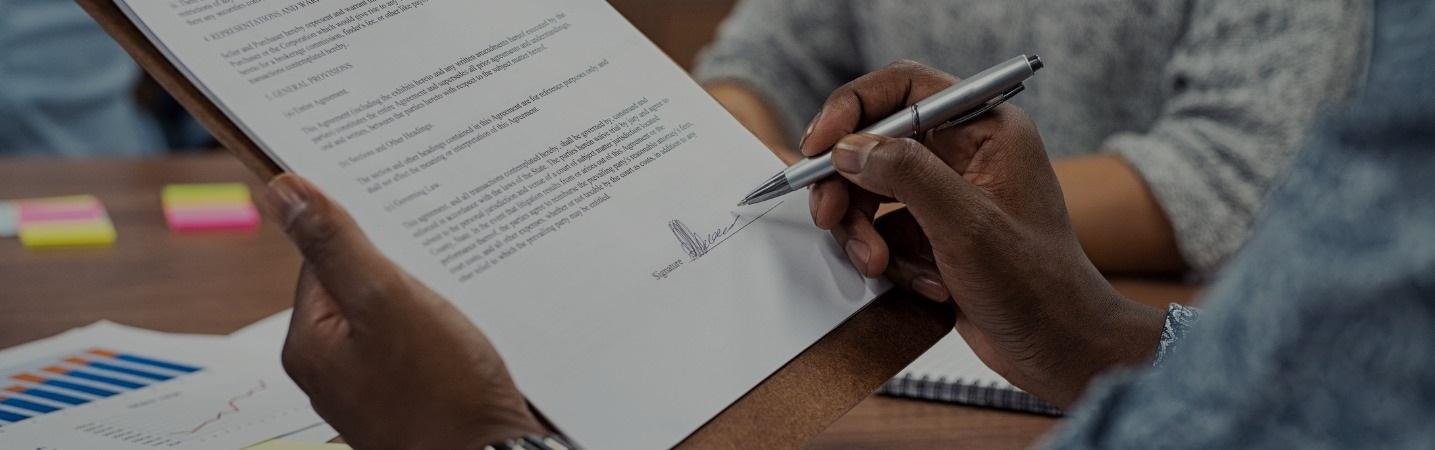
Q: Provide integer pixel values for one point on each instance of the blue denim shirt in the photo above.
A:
(65, 87)
(1321, 333)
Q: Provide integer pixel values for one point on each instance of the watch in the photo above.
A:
(534, 442)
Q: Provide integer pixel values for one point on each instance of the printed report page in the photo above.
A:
(546, 168)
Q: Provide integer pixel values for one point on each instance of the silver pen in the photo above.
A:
(964, 101)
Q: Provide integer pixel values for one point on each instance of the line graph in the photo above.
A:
(233, 409)
(202, 413)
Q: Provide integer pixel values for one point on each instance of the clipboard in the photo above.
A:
(788, 408)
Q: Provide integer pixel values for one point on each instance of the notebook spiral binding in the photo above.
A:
(958, 391)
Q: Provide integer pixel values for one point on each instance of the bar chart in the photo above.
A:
(112, 387)
(47, 387)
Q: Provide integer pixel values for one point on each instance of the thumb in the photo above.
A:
(951, 211)
(351, 269)
(906, 170)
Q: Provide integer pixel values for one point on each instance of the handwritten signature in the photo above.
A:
(697, 245)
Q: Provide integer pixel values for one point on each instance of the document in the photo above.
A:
(544, 166)
(114, 387)
(265, 338)
(284, 444)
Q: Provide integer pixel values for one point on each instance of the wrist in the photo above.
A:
(1127, 333)
(483, 426)
(491, 427)
(492, 437)
(1103, 332)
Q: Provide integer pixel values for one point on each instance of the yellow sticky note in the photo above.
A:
(280, 444)
(87, 233)
(206, 194)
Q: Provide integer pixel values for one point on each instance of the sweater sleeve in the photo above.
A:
(793, 53)
(66, 88)
(1246, 80)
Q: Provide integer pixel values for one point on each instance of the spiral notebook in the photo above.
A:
(951, 372)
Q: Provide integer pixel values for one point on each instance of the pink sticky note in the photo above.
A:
(237, 217)
(62, 209)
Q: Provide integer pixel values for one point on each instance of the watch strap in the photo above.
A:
(534, 442)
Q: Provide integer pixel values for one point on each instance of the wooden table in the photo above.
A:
(218, 283)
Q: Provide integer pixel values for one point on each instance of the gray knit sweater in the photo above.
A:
(1207, 99)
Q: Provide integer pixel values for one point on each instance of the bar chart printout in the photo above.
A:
(155, 396)
(79, 379)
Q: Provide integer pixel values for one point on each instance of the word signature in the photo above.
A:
(697, 245)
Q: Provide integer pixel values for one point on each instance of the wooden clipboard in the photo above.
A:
(784, 411)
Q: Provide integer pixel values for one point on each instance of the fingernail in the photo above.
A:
(930, 288)
(816, 200)
(802, 144)
(851, 154)
(289, 197)
(859, 253)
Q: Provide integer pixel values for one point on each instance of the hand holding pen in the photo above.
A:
(848, 210)
(923, 112)
(984, 226)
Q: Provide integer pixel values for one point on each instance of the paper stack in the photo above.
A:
(9, 220)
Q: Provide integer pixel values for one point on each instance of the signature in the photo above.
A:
(696, 245)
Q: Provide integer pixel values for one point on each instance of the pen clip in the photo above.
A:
(968, 117)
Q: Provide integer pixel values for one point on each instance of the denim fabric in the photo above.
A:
(1179, 320)
(1321, 334)
(65, 87)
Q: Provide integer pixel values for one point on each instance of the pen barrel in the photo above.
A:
(964, 97)
(959, 99)
(809, 171)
